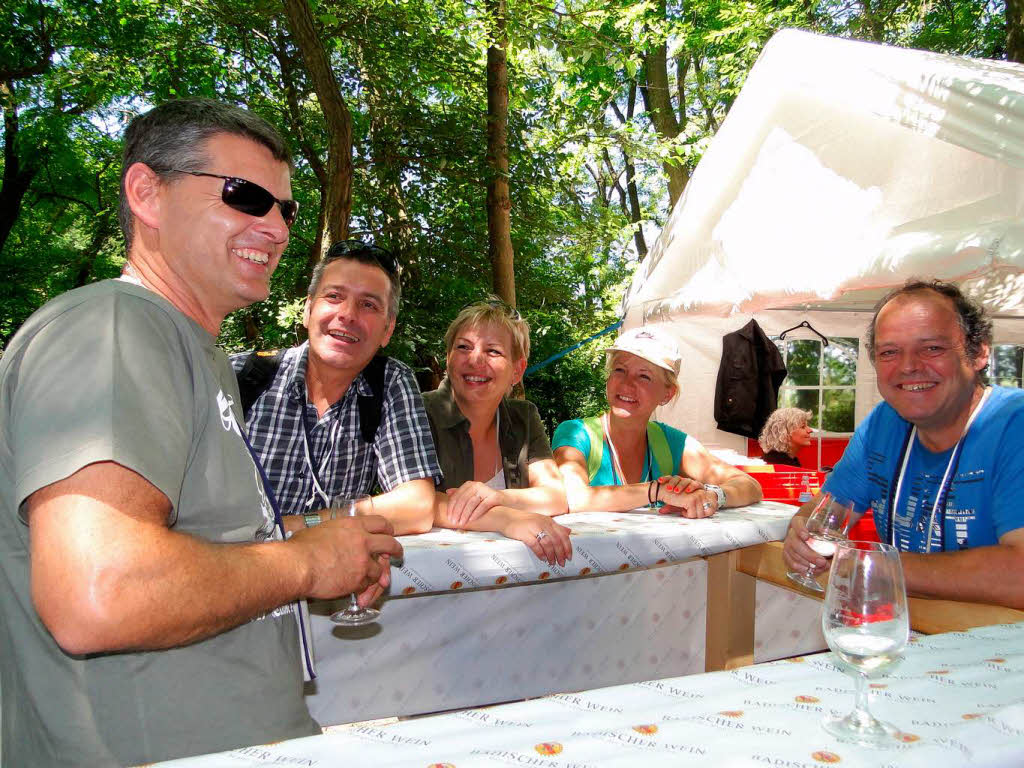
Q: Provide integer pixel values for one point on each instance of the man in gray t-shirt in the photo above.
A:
(148, 599)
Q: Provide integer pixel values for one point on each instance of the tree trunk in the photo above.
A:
(659, 106)
(299, 137)
(18, 175)
(1015, 31)
(499, 221)
(388, 165)
(635, 213)
(336, 198)
(710, 124)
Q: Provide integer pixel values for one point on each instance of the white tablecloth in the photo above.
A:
(957, 698)
(445, 560)
(513, 627)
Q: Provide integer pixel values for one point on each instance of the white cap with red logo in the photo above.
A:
(650, 343)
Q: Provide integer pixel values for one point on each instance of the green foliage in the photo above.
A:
(413, 77)
(821, 379)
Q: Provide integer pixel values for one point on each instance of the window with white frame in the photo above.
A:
(1004, 365)
(822, 379)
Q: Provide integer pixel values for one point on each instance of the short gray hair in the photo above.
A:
(778, 428)
(362, 253)
(174, 135)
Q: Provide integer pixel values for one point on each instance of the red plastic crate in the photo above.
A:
(787, 485)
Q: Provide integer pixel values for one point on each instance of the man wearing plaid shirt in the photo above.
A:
(305, 426)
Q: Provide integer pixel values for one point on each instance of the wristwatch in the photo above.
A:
(717, 490)
(312, 518)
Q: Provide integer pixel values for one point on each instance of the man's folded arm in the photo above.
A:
(993, 574)
(409, 506)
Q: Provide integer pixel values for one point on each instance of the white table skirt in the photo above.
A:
(507, 631)
(957, 698)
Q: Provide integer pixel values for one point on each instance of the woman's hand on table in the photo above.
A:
(548, 539)
(470, 500)
(798, 556)
(686, 497)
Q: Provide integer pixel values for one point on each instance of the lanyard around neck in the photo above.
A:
(616, 465)
(498, 463)
(318, 489)
(944, 487)
(301, 609)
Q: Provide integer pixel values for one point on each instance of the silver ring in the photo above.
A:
(707, 505)
(541, 535)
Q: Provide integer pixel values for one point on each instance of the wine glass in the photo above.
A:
(866, 625)
(352, 615)
(827, 526)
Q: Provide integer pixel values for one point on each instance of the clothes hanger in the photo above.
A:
(807, 325)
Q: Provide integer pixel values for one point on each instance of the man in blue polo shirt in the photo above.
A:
(939, 463)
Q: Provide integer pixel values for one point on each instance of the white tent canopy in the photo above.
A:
(842, 169)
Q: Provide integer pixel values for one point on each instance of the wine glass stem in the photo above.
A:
(860, 703)
(353, 602)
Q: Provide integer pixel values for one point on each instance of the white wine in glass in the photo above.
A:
(827, 525)
(866, 624)
(352, 615)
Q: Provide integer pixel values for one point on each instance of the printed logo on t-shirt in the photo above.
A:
(227, 419)
(227, 416)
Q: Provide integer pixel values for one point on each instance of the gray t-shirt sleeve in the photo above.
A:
(97, 384)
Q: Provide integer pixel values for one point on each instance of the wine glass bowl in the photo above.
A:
(826, 525)
(866, 625)
(352, 615)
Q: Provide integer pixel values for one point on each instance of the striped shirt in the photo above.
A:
(403, 449)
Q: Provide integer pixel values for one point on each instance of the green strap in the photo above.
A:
(595, 431)
(656, 439)
(658, 442)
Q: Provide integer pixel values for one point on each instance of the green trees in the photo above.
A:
(610, 104)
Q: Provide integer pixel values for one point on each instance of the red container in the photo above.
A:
(787, 484)
(864, 529)
(780, 482)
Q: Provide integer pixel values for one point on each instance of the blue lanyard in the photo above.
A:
(301, 614)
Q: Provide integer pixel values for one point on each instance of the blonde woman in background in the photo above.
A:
(784, 435)
(622, 459)
(499, 474)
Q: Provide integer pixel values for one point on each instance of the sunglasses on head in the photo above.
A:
(387, 260)
(497, 303)
(249, 197)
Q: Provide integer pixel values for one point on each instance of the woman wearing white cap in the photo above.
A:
(622, 460)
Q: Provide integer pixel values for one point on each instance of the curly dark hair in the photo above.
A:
(976, 326)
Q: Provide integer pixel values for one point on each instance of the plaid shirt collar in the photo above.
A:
(294, 384)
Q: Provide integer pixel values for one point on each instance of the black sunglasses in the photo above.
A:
(357, 248)
(249, 197)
